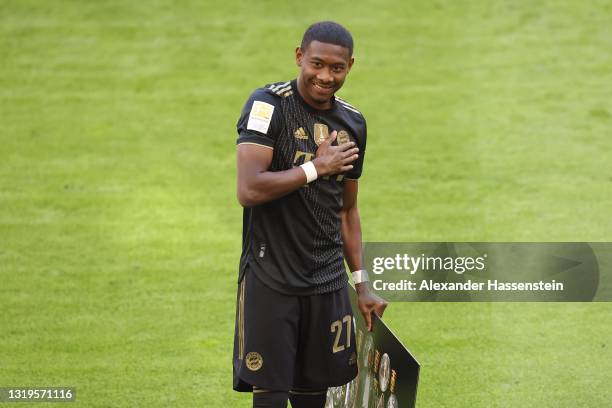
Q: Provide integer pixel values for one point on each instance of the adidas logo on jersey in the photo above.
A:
(300, 134)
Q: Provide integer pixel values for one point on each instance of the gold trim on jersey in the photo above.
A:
(281, 89)
(241, 320)
(256, 144)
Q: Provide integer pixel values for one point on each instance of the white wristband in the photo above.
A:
(310, 170)
(360, 276)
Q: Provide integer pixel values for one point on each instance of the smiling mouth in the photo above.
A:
(323, 88)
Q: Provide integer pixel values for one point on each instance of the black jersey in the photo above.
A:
(293, 244)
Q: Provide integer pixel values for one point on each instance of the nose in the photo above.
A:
(324, 76)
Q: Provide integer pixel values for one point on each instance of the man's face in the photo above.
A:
(323, 68)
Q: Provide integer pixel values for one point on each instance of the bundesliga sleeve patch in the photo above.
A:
(260, 116)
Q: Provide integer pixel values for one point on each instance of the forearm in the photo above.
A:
(351, 238)
(258, 185)
(351, 241)
(265, 186)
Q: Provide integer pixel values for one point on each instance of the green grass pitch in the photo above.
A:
(119, 227)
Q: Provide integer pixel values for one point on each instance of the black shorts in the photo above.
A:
(284, 342)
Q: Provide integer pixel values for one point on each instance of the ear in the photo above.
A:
(298, 56)
(350, 64)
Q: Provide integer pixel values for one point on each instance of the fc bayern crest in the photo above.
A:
(343, 137)
(254, 361)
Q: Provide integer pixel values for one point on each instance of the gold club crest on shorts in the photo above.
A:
(343, 137)
(254, 361)
(321, 132)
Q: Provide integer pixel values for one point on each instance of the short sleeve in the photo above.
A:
(360, 140)
(260, 120)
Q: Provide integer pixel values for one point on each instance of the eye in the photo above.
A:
(338, 69)
(317, 64)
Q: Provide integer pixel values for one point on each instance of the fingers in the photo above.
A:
(380, 307)
(330, 139)
(345, 146)
(350, 156)
(350, 152)
(350, 159)
(344, 169)
(368, 319)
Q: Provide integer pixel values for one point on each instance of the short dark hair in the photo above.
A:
(328, 32)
